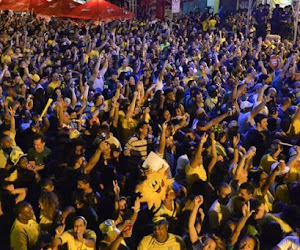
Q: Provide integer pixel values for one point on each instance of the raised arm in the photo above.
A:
(130, 112)
(198, 154)
(214, 156)
(162, 141)
(241, 224)
(95, 158)
(271, 179)
(12, 121)
(259, 107)
(215, 121)
(198, 200)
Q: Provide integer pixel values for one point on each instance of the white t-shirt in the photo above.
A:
(245, 122)
(289, 243)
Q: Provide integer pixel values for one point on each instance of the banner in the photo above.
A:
(175, 6)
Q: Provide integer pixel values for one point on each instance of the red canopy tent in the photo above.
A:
(54, 7)
(19, 5)
(99, 10)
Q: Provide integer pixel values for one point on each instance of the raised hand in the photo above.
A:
(198, 200)
(164, 126)
(202, 215)
(137, 205)
(251, 152)
(116, 188)
(60, 229)
(246, 210)
(203, 138)
(236, 140)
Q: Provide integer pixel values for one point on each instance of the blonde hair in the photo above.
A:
(50, 204)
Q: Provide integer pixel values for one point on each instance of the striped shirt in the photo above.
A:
(140, 148)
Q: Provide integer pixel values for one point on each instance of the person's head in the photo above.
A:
(175, 81)
(24, 212)
(39, 142)
(211, 242)
(47, 185)
(142, 129)
(23, 162)
(79, 148)
(109, 230)
(259, 209)
(160, 229)
(224, 192)
(179, 110)
(246, 191)
(6, 142)
(83, 182)
(98, 99)
(48, 202)
(123, 203)
(12, 92)
(167, 115)
(171, 192)
(261, 122)
(68, 76)
(80, 224)
(248, 242)
(170, 95)
(276, 146)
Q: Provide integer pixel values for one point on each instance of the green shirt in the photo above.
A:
(38, 158)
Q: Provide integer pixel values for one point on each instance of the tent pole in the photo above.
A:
(296, 22)
(248, 16)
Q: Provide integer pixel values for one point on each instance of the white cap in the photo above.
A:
(284, 171)
(246, 104)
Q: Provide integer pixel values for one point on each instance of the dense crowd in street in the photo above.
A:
(83, 106)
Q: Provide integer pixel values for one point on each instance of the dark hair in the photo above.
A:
(248, 186)
(259, 117)
(255, 204)
(81, 218)
(256, 247)
(140, 125)
(39, 136)
(84, 178)
(20, 206)
(104, 127)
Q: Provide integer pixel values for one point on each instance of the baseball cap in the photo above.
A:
(16, 155)
(246, 104)
(34, 77)
(282, 172)
(233, 124)
(159, 220)
(108, 226)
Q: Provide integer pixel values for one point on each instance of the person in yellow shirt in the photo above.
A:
(56, 83)
(268, 159)
(195, 170)
(77, 238)
(124, 67)
(212, 23)
(161, 239)
(25, 231)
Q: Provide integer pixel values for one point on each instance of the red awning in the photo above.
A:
(53, 7)
(100, 10)
(19, 5)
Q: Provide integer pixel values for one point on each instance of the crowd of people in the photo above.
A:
(83, 105)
